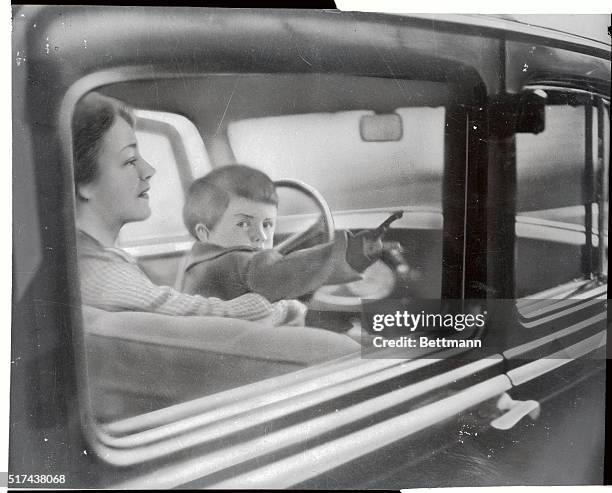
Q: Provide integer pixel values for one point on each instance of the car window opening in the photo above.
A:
(364, 183)
(575, 143)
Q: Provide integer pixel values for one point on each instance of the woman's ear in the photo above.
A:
(83, 192)
(202, 232)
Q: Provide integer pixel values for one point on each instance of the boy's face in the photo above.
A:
(244, 223)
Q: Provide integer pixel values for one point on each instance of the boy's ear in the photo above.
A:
(202, 232)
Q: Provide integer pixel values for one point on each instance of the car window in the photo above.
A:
(562, 195)
(364, 179)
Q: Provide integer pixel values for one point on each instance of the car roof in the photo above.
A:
(64, 44)
(586, 29)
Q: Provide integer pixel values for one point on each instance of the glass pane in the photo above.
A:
(551, 181)
(145, 357)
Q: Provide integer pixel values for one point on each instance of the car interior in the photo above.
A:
(369, 146)
(300, 127)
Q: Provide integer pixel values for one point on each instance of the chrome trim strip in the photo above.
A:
(542, 366)
(529, 346)
(373, 437)
(155, 443)
(543, 306)
(300, 467)
(325, 388)
(558, 292)
(201, 429)
(207, 403)
(560, 314)
(563, 89)
(286, 385)
(550, 223)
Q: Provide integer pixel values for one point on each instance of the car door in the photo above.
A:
(381, 422)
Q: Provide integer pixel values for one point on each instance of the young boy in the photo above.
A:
(232, 213)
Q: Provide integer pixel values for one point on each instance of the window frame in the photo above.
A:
(573, 310)
(594, 194)
(96, 435)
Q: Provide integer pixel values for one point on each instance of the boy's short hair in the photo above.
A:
(208, 196)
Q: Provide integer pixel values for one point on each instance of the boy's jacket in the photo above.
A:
(227, 273)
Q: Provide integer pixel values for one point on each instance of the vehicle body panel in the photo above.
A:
(349, 422)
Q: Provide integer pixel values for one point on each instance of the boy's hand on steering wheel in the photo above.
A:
(363, 249)
(372, 244)
(366, 247)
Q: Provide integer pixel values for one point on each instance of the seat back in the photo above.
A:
(138, 362)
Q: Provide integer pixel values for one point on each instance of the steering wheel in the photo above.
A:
(297, 239)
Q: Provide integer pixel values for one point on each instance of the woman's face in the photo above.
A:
(119, 193)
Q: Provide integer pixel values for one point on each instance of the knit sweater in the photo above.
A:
(112, 280)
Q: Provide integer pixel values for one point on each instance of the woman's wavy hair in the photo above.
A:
(93, 116)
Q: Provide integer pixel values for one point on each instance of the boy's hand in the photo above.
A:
(372, 244)
(363, 249)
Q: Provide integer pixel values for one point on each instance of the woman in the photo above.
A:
(112, 183)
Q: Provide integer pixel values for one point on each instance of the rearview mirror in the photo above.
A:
(381, 128)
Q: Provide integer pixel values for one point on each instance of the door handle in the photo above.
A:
(515, 411)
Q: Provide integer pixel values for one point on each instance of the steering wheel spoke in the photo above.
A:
(324, 226)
